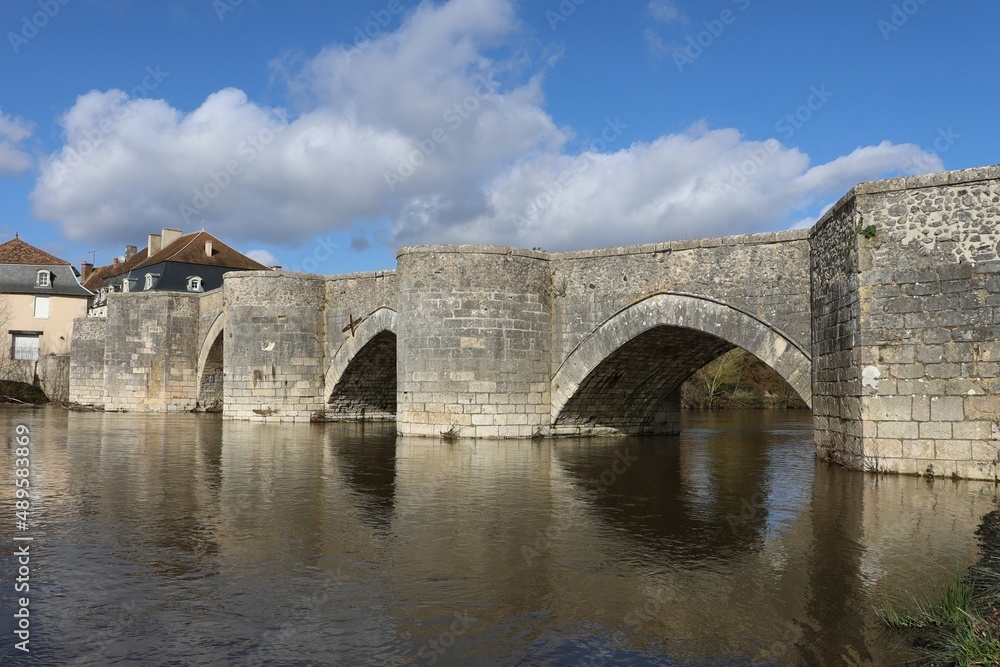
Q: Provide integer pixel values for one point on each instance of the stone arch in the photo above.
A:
(210, 366)
(361, 381)
(666, 337)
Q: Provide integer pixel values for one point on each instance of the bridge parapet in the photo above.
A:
(766, 275)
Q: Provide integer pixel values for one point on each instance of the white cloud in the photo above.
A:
(263, 256)
(665, 11)
(654, 43)
(699, 183)
(13, 133)
(422, 128)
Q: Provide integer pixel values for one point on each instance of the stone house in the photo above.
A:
(171, 262)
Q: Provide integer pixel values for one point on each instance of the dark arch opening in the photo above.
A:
(210, 389)
(367, 389)
(636, 389)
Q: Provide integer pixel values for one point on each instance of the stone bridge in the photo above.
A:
(884, 317)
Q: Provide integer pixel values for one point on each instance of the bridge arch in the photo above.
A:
(626, 375)
(210, 366)
(361, 381)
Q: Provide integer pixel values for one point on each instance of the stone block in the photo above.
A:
(918, 449)
(887, 408)
(935, 430)
(947, 408)
(898, 430)
(972, 430)
(953, 450)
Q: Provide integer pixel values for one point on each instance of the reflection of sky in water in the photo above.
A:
(790, 466)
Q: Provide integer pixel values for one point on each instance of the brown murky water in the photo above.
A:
(187, 540)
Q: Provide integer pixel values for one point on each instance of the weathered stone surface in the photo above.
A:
(932, 262)
(894, 338)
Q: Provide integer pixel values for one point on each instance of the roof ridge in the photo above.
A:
(17, 249)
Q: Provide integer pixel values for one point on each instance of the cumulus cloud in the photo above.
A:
(13, 133)
(434, 129)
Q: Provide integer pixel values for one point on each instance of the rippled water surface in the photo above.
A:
(187, 540)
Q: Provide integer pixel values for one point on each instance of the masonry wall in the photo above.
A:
(274, 345)
(766, 275)
(836, 323)
(351, 298)
(86, 361)
(210, 306)
(917, 351)
(151, 351)
(474, 341)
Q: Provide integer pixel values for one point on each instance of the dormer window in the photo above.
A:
(150, 279)
(194, 284)
(43, 278)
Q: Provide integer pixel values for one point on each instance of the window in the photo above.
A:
(194, 284)
(43, 278)
(150, 279)
(41, 307)
(25, 346)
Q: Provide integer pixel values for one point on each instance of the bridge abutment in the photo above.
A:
(906, 326)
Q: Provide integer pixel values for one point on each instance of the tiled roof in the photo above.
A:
(17, 251)
(190, 249)
(102, 273)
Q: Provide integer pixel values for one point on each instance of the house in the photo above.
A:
(171, 261)
(40, 296)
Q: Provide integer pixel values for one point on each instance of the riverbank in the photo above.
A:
(21, 393)
(961, 626)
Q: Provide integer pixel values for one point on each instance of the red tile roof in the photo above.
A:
(17, 251)
(190, 249)
(101, 273)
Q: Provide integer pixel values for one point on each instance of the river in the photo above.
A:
(190, 540)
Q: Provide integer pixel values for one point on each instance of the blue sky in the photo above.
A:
(324, 136)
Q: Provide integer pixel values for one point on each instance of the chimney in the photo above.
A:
(116, 263)
(130, 252)
(153, 243)
(170, 235)
(85, 270)
(208, 248)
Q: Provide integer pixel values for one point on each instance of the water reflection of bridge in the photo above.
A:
(319, 520)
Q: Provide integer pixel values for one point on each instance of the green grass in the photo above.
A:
(961, 626)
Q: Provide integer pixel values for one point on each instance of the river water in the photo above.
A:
(189, 540)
